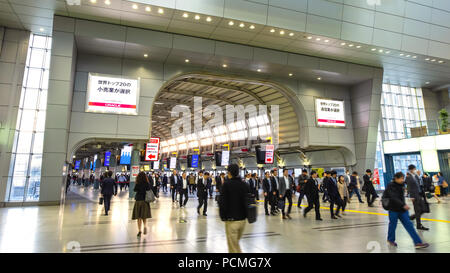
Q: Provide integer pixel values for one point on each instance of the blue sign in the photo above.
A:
(77, 164)
(125, 155)
(194, 161)
(107, 158)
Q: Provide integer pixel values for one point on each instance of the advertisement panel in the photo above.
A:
(173, 162)
(225, 158)
(269, 154)
(152, 149)
(125, 155)
(330, 113)
(112, 94)
(194, 162)
(77, 164)
(107, 158)
(155, 165)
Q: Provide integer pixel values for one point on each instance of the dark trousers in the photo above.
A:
(191, 188)
(287, 195)
(210, 190)
(371, 196)
(313, 203)
(184, 192)
(164, 187)
(107, 202)
(325, 196)
(355, 190)
(203, 201)
(173, 192)
(268, 201)
(300, 198)
(340, 204)
(417, 203)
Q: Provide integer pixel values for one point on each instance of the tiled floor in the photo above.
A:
(79, 225)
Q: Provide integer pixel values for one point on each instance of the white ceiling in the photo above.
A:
(36, 15)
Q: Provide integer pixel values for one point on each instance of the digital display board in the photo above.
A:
(225, 158)
(125, 155)
(194, 161)
(77, 164)
(330, 113)
(173, 162)
(112, 94)
(155, 165)
(107, 158)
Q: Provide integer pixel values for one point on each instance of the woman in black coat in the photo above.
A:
(141, 209)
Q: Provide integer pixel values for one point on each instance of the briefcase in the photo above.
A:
(100, 201)
(281, 204)
(251, 213)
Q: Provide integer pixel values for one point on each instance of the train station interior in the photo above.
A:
(172, 90)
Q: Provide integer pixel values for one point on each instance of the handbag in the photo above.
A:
(251, 209)
(445, 184)
(385, 203)
(100, 201)
(281, 204)
(150, 196)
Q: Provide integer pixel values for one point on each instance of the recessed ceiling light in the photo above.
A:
(93, 1)
(427, 82)
(160, 11)
(319, 78)
(380, 50)
(241, 25)
(433, 60)
(317, 39)
(373, 49)
(441, 62)
(41, 29)
(401, 54)
(259, 70)
(358, 46)
(281, 32)
(252, 27)
(186, 61)
(291, 34)
(343, 44)
(407, 56)
(272, 30)
(148, 9)
(230, 23)
(309, 37)
(326, 41)
(185, 15)
(290, 74)
(224, 65)
(427, 59)
(387, 52)
(145, 55)
(107, 2)
(208, 19)
(197, 17)
(135, 6)
(351, 45)
(414, 57)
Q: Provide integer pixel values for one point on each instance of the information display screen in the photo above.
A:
(107, 158)
(330, 113)
(112, 94)
(194, 162)
(125, 155)
(77, 164)
(225, 158)
(173, 162)
(155, 165)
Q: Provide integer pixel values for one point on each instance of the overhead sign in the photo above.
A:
(155, 165)
(269, 154)
(135, 171)
(194, 162)
(112, 94)
(125, 155)
(107, 158)
(152, 149)
(376, 176)
(77, 164)
(330, 113)
(173, 162)
(225, 158)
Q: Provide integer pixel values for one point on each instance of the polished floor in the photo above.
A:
(80, 226)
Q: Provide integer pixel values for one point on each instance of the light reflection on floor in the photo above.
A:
(81, 221)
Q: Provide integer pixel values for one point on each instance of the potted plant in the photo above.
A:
(443, 117)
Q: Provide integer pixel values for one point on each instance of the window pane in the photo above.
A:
(39, 41)
(37, 57)
(33, 189)
(43, 100)
(36, 162)
(30, 100)
(21, 165)
(38, 143)
(17, 188)
(33, 78)
(24, 142)
(27, 121)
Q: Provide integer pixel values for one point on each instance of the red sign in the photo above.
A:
(152, 149)
(269, 154)
(376, 177)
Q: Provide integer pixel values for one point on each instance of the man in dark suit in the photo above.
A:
(109, 187)
(202, 192)
(330, 183)
(174, 178)
(285, 191)
(311, 189)
(268, 195)
(416, 194)
(368, 187)
(274, 180)
(302, 179)
(182, 187)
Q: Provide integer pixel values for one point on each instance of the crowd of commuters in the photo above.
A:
(234, 193)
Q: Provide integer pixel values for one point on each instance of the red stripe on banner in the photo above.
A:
(331, 121)
(114, 105)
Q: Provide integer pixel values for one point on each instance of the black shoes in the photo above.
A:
(204, 214)
(423, 228)
(319, 219)
(139, 234)
(333, 217)
(198, 211)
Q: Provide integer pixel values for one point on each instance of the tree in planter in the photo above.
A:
(443, 116)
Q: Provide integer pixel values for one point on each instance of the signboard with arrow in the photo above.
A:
(152, 149)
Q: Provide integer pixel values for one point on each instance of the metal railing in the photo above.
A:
(423, 128)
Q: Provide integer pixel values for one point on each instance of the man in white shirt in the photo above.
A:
(183, 189)
(285, 191)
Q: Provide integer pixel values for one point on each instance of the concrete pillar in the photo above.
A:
(61, 79)
(13, 54)
(135, 160)
(365, 103)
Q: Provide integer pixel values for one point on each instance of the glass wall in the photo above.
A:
(401, 106)
(26, 159)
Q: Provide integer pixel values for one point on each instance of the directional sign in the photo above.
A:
(152, 149)
(269, 153)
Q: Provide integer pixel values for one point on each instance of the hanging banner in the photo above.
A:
(330, 113)
(269, 154)
(135, 171)
(152, 149)
(376, 176)
(112, 94)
